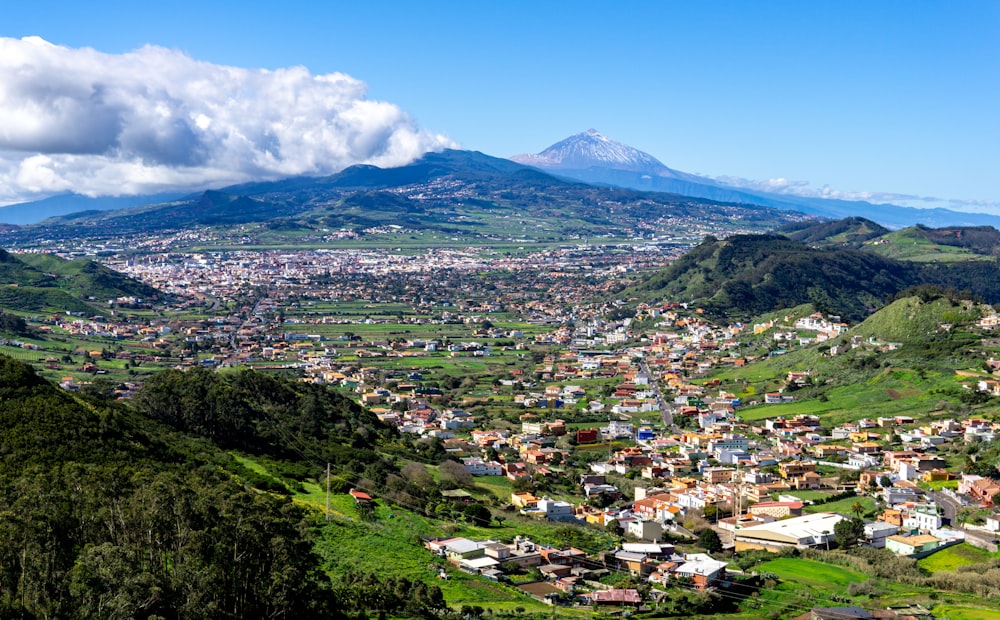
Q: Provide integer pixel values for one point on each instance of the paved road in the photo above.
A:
(665, 411)
(950, 506)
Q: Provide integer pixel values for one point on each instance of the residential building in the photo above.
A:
(555, 510)
(796, 469)
(912, 545)
(703, 570)
(924, 517)
(478, 467)
(877, 532)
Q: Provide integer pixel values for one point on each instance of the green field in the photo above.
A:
(953, 557)
(893, 391)
(808, 495)
(829, 578)
(844, 506)
(908, 244)
(937, 485)
(803, 585)
(955, 612)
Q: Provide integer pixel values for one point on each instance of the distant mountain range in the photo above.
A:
(593, 158)
(64, 204)
(558, 177)
(450, 192)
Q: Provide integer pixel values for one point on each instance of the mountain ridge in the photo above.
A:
(449, 191)
(588, 158)
(605, 167)
(748, 275)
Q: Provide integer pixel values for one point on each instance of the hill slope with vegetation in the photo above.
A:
(748, 275)
(109, 514)
(914, 357)
(450, 191)
(43, 282)
(849, 232)
(928, 245)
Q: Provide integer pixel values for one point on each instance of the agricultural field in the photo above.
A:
(807, 583)
(844, 506)
(953, 557)
(956, 612)
(909, 244)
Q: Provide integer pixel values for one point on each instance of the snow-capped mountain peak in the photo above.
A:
(593, 149)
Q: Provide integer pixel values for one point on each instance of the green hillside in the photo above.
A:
(918, 244)
(206, 493)
(748, 275)
(901, 360)
(84, 278)
(14, 271)
(108, 514)
(850, 232)
(450, 192)
(47, 283)
(921, 319)
(41, 299)
(915, 243)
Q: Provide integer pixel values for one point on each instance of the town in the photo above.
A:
(561, 403)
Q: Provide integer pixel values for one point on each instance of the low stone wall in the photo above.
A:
(982, 543)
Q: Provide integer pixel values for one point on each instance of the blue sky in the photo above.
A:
(895, 97)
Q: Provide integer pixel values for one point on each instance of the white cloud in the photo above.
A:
(156, 119)
(804, 189)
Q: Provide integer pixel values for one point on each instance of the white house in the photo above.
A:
(616, 429)
(876, 533)
(478, 467)
(701, 568)
(555, 510)
(644, 530)
(993, 522)
(924, 517)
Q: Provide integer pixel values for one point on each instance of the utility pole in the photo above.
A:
(328, 491)
(738, 492)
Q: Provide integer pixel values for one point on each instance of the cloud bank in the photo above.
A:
(157, 120)
(805, 190)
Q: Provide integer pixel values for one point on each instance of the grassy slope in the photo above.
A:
(41, 299)
(805, 584)
(912, 321)
(909, 244)
(953, 557)
(391, 542)
(85, 278)
(955, 612)
(834, 579)
(862, 383)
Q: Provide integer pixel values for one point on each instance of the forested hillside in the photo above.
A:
(133, 512)
(748, 275)
(850, 231)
